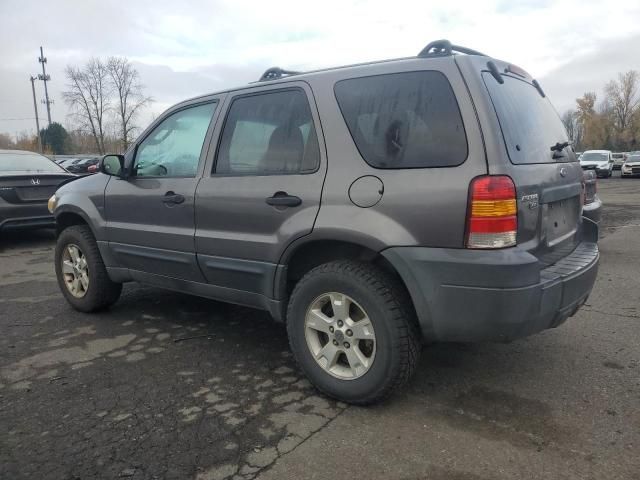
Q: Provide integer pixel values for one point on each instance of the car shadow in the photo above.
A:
(29, 238)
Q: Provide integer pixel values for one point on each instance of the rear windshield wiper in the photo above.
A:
(558, 148)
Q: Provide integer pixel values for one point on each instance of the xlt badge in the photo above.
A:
(531, 200)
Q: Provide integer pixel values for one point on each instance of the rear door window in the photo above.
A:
(404, 120)
(530, 125)
(270, 133)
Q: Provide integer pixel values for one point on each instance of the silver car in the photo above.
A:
(599, 160)
(631, 167)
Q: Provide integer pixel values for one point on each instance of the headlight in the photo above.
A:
(51, 204)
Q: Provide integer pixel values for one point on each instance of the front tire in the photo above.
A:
(82, 276)
(353, 331)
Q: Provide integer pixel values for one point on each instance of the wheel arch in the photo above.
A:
(68, 217)
(303, 257)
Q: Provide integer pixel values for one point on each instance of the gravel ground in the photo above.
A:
(165, 385)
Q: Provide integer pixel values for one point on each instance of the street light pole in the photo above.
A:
(35, 107)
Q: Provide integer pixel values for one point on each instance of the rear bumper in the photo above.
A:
(501, 295)
(14, 216)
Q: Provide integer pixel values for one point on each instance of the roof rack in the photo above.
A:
(274, 73)
(444, 48)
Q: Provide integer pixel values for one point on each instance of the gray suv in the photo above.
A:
(370, 207)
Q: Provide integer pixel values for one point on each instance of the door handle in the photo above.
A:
(173, 198)
(283, 199)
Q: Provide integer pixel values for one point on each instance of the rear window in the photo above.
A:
(530, 125)
(27, 163)
(404, 120)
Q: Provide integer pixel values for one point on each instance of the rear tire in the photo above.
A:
(369, 293)
(82, 276)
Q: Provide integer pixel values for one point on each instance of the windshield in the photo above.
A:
(594, 157)
(530, 125)
(633, 158)
(27, 162)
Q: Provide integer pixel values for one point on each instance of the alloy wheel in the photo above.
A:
(340, 336)
(75, 270)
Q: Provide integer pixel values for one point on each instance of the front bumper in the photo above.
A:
(600, 170)
(500, 295)
(630, 172)
(593, 210)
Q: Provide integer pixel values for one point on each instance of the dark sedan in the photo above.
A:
(27, 180)
(82, 166)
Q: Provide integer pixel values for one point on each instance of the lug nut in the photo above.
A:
(340, 323)
(331, 329)
(346, 345)
(335, 342)
(349, 333)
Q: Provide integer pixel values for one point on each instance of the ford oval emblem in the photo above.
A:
(35, 181)
(563, 172)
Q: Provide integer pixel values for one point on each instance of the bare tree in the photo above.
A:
(622, 97)
(88, 95)
(570, 121)
(130, 97)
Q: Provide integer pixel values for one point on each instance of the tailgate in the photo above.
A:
(542, 164)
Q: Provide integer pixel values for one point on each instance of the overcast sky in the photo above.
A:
(189, 47)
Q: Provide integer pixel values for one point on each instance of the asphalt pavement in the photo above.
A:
(168, 386)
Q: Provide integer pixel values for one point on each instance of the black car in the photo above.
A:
(27, 180)
(81, 167)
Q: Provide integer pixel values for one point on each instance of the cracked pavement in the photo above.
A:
(164, 385)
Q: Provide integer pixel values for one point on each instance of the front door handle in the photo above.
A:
(172, 198)
(283, 199)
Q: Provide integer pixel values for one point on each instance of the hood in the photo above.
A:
(594, 162)
(635, 163)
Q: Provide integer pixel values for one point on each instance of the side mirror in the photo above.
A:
(112, 165)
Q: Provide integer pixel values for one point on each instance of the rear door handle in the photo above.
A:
(173, 198)
(283, 199)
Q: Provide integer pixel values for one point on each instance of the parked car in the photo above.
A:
(27, 180)
(600, 161)
(81, 167)
(67, 161)
(592, 208)
(369, 207)
(631, 167)
(619, 159)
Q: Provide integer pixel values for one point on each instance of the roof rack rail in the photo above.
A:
(444, 48)
(274, 73)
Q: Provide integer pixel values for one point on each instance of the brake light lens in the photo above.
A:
(492, 215)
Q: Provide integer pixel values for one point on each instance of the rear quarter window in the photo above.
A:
(404, 120)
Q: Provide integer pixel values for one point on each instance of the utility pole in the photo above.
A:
(45, 78)
(35, 107)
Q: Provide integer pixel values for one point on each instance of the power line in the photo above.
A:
(24, 118)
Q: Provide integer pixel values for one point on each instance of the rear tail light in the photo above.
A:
(492, 220)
